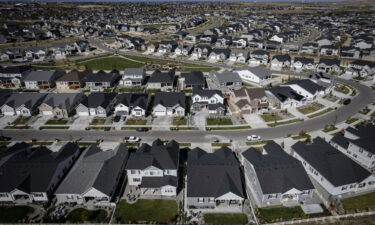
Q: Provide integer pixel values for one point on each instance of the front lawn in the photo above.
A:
(310, 109)
(283, 123)
(225, 218)
(135, 122)
(81, 215)
(329, 128)
(269, 117)
(157, 211)
(343, 89)
(56, 122)
(221, 144)
(98, 121)
(359, 203)
(320, 113)
(179, 121)
(21, 120)
(351, 120)
(365, 111)
(14, 214)
(219, 121)
(279, 213)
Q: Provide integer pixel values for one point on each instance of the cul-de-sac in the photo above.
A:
(187, 112)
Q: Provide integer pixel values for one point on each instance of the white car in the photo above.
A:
(132, 139)
(254, 138)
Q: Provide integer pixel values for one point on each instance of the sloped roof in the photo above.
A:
(194, 78)
(27, 99)
(133, 99)
(98, 99)
(75, 75)
(62, 100)
(307, 85)
(162, 77)
(170, 99)
(284, 93)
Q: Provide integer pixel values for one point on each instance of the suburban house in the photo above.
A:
(42, 79)
(258, 75)
(133, 77)
(259, 57)
(309, 48)
(211, 99)
(248, 100)
(328, 65)
(219, 54)
(96, 104)
(279, 62)
(72, 81)
(134, 104)
(102, 175)
(154, 169)
(32, 175)
(276, 177)
(284, 97)
(225, 81)
(361, 68)
(201, 51)
(169, 104)
(238, 56)
(192, 80)
(329, 50)
(302, 63)
(350, 52)
(334, 171)
(60, 105)
(12, 76)
(183, 50)
(101, 80)
(307, 88)
(214, 180)
(358, 144)
(22, 104)
(165, 81)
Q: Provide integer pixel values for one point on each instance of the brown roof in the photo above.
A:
(74, 75)
(252, 93)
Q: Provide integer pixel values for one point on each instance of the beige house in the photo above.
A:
(248, 100)
(72, 81)
(60, 105)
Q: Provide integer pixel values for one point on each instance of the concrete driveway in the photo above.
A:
(40, 121)
(5, 120)
(81, 122)
(199, 119)
(254, 120)
(162, 123)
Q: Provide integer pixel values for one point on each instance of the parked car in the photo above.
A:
(142, 129)
(132, 139)
(254, 138)
(347, 101)
(117, 119)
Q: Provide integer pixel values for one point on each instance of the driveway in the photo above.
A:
(5, 120)
(40, 121)
(254, 120)
(162, 123)
(199, 119)
(81, 122)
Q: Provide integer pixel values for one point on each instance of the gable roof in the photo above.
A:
(102, 76)
(284, 93)
(170, 99)
(162, 77)
(74, 75)
(97, 99)
(194, 78)
(258, 71)
(29, 100)
(95, 168)
(307, 85)
(46, 75)
(133, 100)
(62, 100)
(277, 171)
(335, 166)
(159, 155)
(213, 174)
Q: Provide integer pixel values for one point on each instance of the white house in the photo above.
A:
(134, 104)
(258, 75)
(169, 104)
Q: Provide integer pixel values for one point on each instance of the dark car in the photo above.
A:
(116, 119)
(3, 138)
(142, 129)
(347, 101)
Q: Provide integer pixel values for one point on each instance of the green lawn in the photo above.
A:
(220, 144)
(257, 142)
(219, 121)
(81, 215)
(53, 127)
(329, 128)
(14, 214)
(225, 218)
(351, 120)
(343, 89)
(267, 117)
(157, 211)
(320, 113)
(109, 63)
(21, 120)
(56, 122)
(229, 128)
(179, 121)
(279, 213)
(298, 137)
(283, 123)
(97, 121)
(331, 98)
(310, 109)
(365, 111)
(359, 203)
(135, 122)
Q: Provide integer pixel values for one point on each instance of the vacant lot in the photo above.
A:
(310, 109)
(159, 211)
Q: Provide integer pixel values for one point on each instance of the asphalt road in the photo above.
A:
(365, 95)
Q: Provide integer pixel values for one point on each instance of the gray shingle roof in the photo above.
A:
(98, 99)
(62, 100)
(133, 100)
(28, 99)
(169, 99)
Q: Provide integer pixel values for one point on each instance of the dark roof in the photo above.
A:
(97, 99)
(102, 76)
(304, 60)
(95, 168)
(15, 69)
(329, 62)
(157, 182)
(283, 93)
(34, 170)
(62, 100)
(159, 155)
(213, 174)
(307, 85)
(362, 131)
(133, 100)
(335, 166)
(29, 100)
(194, 78)
(282, 58)
(162, 77)
(277, 171)
(170, 99)
(75, 75)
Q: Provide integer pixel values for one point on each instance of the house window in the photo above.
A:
(200, 200)
(352, 186)
(133, 171)
(136, 179)
(68, 197)
(362, 185)
(272, 196)
(344, 188)
(38, 195)
(3, 195)
(211, 200)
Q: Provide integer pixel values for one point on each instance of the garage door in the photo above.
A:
(47, 113)
(83, 113)
(159, 113)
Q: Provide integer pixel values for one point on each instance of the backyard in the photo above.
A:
(156, 211)
(359, 203)
(279, 213)
(14, 214)
(225, 218)
(81, 215)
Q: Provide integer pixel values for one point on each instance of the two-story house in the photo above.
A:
(133, 77)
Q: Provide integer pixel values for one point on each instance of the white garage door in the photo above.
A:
(159, 113)
(83, 113)
(47, 113)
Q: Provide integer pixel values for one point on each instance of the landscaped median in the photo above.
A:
(228, 127)
(275, 124)
(147, 211)
(225, 218)
(320, 113)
